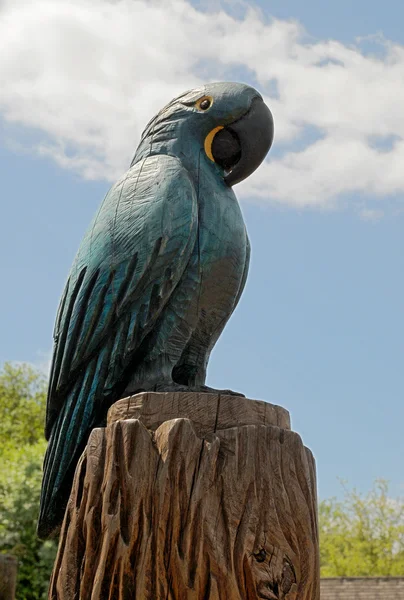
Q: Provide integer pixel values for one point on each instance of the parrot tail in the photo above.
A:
(67, 442)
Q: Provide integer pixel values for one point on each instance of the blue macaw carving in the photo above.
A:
(158, 274)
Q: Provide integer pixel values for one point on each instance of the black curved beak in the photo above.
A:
(242, 146)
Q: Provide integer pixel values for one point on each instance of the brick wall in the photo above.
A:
(362, 588)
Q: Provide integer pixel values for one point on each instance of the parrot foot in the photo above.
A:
(177, 387)
(210, 390)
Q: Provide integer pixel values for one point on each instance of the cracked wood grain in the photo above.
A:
(162, 507)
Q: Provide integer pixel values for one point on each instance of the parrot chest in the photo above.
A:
(220, 255)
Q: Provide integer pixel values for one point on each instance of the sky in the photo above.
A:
(320, 328)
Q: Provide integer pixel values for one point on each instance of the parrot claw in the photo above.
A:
(177, 387)
(209, 390)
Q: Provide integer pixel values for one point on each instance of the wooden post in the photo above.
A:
(191, 496)
(8, 576)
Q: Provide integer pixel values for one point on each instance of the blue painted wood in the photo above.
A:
(158, 274)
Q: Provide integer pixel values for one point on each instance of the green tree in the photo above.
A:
(22, 446)
(362, 535)
(22, 405)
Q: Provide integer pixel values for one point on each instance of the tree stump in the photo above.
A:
(191, 496)
(8, 576)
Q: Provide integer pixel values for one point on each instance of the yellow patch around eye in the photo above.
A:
(199, 102)
(209, 141)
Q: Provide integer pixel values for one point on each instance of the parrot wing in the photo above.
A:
(129, 262)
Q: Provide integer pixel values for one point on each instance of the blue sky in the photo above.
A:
(320, 326)
(343, 20)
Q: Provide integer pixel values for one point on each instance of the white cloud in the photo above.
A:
(371, 214)
(90, 73)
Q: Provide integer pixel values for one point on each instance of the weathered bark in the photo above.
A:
(8, 576)
(191, 496)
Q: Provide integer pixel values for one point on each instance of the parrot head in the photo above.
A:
(228, 125)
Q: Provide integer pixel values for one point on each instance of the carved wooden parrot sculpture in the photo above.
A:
(158, 273)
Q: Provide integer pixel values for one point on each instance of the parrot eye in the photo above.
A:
(204, 103)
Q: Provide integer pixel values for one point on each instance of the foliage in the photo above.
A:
(22, 411)
(362, 535)
(22, 405)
